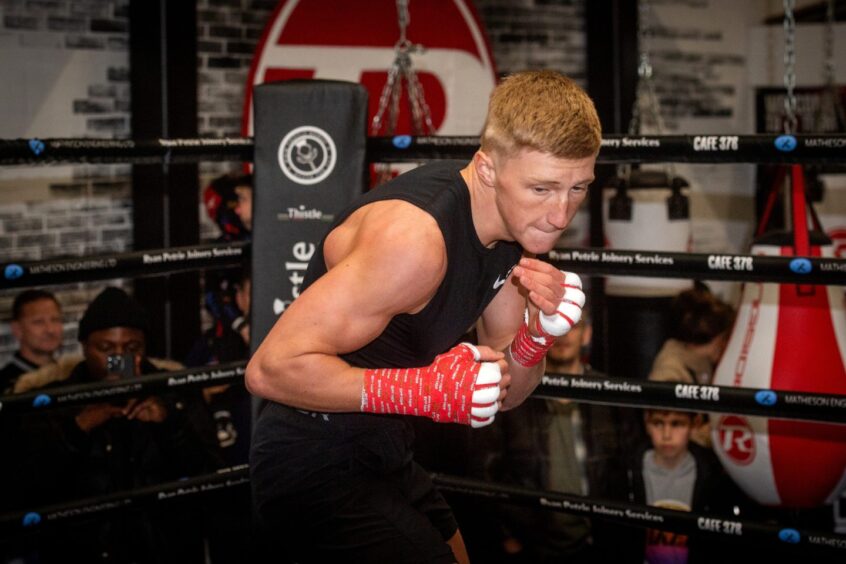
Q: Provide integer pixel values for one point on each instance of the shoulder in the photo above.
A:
(51, 374)
(391, 237)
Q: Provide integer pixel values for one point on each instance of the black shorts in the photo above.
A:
(344, 488)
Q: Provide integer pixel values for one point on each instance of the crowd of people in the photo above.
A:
(69, 454)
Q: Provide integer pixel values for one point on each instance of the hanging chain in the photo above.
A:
(402, 71)
(790, 67)
(645, 90)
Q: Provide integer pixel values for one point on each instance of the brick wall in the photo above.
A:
(49, 212)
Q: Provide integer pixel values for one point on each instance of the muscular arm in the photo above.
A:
(387, 258)
(533, 284)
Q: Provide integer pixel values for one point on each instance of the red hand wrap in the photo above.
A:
(527, 349)
(441, 391)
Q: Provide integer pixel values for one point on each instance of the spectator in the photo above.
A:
(228, 201)
(37, 326)
(103, 448)
(700, 325)
(560, 445)
(674, 473)
(244, 207)
(230, 405)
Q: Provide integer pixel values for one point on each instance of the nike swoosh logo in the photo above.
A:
(500, 281)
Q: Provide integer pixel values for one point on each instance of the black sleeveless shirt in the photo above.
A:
(474, 273)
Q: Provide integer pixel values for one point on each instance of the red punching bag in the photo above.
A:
(786, 337)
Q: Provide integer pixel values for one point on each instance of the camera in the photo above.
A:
(121, 365)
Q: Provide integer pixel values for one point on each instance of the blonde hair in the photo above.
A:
(544, 111)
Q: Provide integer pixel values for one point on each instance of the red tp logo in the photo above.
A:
(354, 41)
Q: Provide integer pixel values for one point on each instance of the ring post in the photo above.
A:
(310, 141)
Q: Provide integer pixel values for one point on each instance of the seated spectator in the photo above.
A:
(700, 324)
(79, 452)
(37, 326)
(672, 472)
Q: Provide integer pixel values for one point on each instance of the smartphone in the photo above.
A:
(121, 365)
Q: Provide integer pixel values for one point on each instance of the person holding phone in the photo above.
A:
(101, 448)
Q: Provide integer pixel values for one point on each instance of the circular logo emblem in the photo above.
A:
(307, 155)
(785, 143)
(791, 536)
(41, 400)
(766, 397)
(737, 439)
(801, 266)
(13, 271)
(402, 141)
(31, 519)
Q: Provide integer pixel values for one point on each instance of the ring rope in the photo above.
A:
(15, 522)
(774, 149)
(776, 404)
(644, 515)
(120, 265)
(692, 523)
(588, 261)
(78, 394)
(743, 268)
(781, 404)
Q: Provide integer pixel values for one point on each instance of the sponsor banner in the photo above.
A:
(63, 396)
(235, 476)
(698, 397)
(49, 151)
(761, 149)
(138, 263)
(810, 270)
(687, 522)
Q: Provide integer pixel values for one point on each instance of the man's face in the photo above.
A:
(669, 432)
(538, 195)
(39, 329)
(114, 341)
(244, 207)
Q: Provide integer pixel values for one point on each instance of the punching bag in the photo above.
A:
(787, 337)
(644, 210)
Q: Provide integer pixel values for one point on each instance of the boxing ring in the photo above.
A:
(771, 403)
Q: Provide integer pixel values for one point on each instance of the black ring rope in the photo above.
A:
(35, 519)
(81, 150)
(781, 404)
(588, 261)
(120, 265)
(626, 513)
(809, 149)
(743, 268)
(63, 396)
(776, 404)
(643, 515)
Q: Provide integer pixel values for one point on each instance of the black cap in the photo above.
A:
(112, 308)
